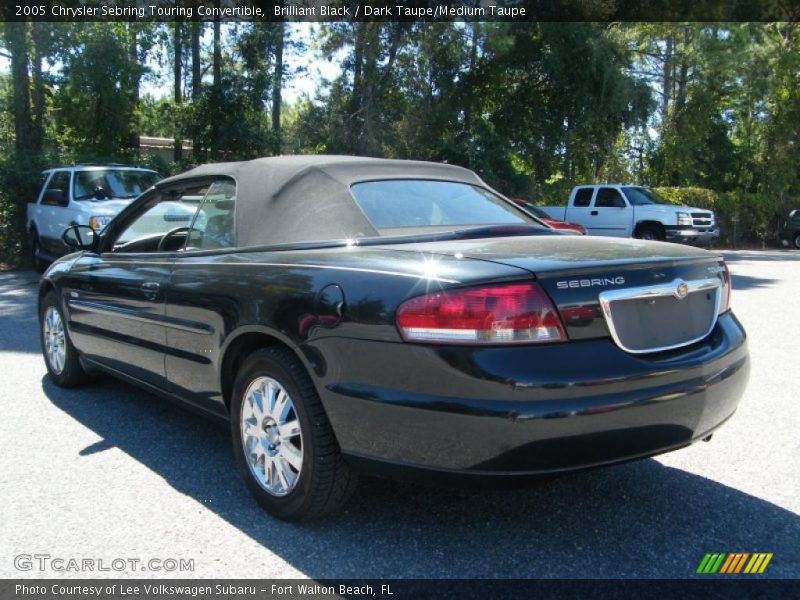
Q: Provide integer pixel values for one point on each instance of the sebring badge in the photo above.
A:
(582, 283)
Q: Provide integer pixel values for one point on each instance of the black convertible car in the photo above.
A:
(400, 318)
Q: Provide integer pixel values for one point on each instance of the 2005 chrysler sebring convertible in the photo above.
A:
(400, 318)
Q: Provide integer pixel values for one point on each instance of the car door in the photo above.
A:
(198, 302)
(54, 214)
(580, 206)
(116, 298)
(610, 214)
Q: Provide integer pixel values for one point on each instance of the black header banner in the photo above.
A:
(401, 10)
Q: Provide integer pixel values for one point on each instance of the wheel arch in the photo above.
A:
(241, 344)
(45, 287)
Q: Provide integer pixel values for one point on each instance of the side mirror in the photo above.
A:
(54, 197)
(80, 237)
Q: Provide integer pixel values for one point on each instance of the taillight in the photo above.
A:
(519, 313)
(725, 301)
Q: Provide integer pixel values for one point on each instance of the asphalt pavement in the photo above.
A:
(108, 472)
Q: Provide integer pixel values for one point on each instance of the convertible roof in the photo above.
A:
(287, 199)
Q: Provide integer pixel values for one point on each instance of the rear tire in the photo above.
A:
(796, 241)
(650, 232)
(269, 447)
(39, 264)
(60, 356)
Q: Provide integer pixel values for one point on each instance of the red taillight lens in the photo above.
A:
(725, 301)
(519, 313)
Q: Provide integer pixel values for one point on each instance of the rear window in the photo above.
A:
(409, 204)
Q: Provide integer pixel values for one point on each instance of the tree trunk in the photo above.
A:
(217, 50)
(277, 85)
(667, 81)
(355, 97)
(17, 42)
(683, 73)
(133, 56)
(37, 98)
(370, 75)
(217, 74)
(178, 78)
(473, 61)
(196, 81)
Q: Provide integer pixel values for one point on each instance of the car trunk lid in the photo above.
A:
(644, 309)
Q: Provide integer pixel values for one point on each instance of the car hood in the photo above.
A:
(669, 209)
(560, 253)
(110, 207)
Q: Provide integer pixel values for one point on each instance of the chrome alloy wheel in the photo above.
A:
(271, 435)
(55, 348)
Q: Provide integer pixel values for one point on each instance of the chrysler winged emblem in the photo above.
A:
(682, 290)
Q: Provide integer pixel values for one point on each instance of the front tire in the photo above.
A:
(796, 242)
(282, 439)
(650, 232)
(60, 356)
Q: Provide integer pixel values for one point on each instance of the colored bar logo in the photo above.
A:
(734, 562)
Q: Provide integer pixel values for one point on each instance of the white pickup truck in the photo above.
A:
(635, 211)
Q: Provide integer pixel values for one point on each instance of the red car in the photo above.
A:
(543, 216)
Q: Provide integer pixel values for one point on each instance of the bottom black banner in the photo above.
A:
(392, 589)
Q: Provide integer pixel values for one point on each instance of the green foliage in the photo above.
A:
(94, 104)
(690, 196)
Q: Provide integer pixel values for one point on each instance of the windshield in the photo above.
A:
(396, 206)
(639, 196)
(101, 184)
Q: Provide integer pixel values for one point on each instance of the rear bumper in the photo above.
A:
(526, 410)
(692, 236)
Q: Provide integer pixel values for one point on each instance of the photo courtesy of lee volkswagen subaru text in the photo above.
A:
(353, 315)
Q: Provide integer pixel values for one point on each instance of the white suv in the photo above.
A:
(80, 195)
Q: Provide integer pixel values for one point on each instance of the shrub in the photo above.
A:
(19, 179)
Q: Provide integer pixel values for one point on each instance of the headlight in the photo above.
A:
(99, 223)
(684, 218)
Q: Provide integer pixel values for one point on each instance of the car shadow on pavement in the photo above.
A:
(641, 519)
(748, 282)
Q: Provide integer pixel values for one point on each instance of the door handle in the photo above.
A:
(593, 213)
(151, 286)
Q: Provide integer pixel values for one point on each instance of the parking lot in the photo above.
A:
(108, 472)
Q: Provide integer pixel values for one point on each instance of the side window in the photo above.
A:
(583, 197)
(59, 183)
(166, 211)
(609, 198)
(213, 227)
